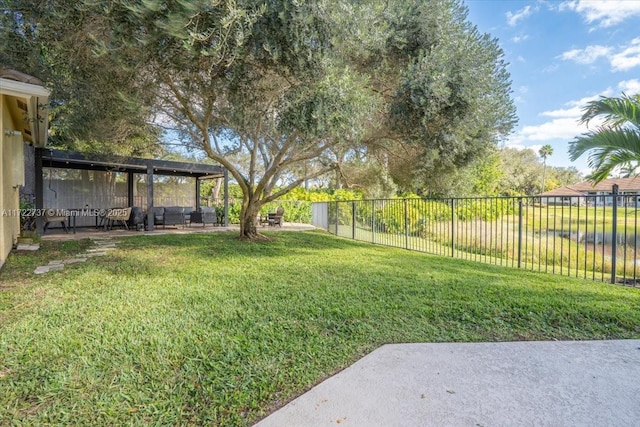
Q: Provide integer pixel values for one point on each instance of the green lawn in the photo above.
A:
(207, 330)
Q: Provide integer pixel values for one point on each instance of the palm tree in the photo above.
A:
(544, 152)
(615, 142)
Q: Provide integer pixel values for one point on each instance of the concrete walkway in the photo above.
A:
(578, 383)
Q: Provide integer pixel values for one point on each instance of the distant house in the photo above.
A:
(563, 196)
(23, 120)
(599, 194)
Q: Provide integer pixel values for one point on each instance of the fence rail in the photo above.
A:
(592, 237)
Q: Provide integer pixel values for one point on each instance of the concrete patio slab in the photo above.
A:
(577, 383)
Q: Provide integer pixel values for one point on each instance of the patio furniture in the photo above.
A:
(117, 215)
(276, 218)
(136, 221)
(50, 215)
(173, 215)
(264, 219)
(204, 216)
(158, 215)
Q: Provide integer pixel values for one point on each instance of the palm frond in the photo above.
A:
(608, 148)
(616, 112)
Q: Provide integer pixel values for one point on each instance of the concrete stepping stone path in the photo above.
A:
(101, 247)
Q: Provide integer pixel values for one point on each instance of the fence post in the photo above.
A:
(353, 220)
(373, 221)
(337, 216)
(406, 224)
(520, 232)
(453, 227)
(614, 233)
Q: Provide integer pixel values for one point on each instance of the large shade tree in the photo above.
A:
(615, 141)
(283, 84)
(283, 91)
(252, 85)
(443, 86)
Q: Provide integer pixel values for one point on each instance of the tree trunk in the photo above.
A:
(249, 219)
(215, 191)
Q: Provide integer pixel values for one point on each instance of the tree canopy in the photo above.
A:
(283, 91)
(96, 105)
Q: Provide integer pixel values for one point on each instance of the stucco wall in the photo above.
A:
(9, 195)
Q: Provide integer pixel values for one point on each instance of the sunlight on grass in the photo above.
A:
(205, 329)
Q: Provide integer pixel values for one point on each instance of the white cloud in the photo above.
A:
(513, 18)
(518, 39)
(622, 59)
(630, 87)
(559, 128)
(583, 101)
(564, 124)
(628, 58)
(605, 13)
(588, 55)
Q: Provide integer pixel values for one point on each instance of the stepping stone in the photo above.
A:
(92, 254)
(26, 247)
(73, 260)
(56, 262)
(41, 270)
(47, 268)
(95, 250)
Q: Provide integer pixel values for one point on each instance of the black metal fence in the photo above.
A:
(593, 237)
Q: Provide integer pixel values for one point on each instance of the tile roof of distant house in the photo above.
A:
(562, 192)
(624, 184)
(585, 187)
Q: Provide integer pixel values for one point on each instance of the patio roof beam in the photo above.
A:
(72, 160)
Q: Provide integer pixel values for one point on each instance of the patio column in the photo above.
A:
(39, 190)
(197, 194)
(226, 198)
(149, 196)
(129, 189)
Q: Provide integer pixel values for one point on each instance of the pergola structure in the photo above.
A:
(59, 159)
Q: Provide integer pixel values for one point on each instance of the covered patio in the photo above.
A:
(84, 184)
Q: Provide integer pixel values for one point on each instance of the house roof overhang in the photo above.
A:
(72, 160)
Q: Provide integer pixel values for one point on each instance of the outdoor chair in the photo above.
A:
(208, 216)
(158, 215)
(264, 219)
(186, 210)
(173, 215)
(51, 216)
(117, 215)
(136, 221)
(276, 218)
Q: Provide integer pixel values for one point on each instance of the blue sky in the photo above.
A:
(561, 55)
